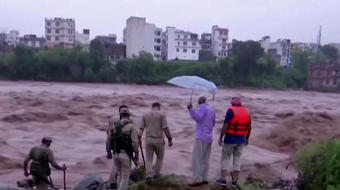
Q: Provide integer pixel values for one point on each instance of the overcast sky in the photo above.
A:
(298, 20)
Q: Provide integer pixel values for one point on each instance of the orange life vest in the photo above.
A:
(240, 124)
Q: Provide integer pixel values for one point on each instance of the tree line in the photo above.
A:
(247, 66)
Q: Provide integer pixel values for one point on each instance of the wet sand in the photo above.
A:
(76, 116)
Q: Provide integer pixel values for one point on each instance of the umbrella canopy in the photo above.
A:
(194, 82)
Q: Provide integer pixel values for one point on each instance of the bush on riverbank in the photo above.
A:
(319, 165)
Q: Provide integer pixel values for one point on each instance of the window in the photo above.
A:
(193, 51)
(185, 36)
(48, 23)
(193, 43)
(177, 49)
(184, 50)
(56, 38)
(70, 39)
(224, 40)
(48, 31)
(157, 48)
(57, 23)
(179, 36)
(158, 41)
(334, 82)
(221, 33)
(57, 31)
(70, 31)
(178, 43)
(223, 47)
(185, 43)
(48, 38)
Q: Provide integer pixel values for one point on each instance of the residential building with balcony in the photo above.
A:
(60, 32)
(142, 36)
(220, 45)
(180, 45)
(32, 41)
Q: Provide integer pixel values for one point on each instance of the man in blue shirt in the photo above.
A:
(236, 132)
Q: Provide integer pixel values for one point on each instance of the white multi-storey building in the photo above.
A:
(180, 45)
(83, 38)
(282, 50)
(141, 36)
(32, 41)
(220, 46)
(13, 38)
(60, 32)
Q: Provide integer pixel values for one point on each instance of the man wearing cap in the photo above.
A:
(236, 131)
(204, 117)
(41, 157)
(156, 125)
(122, 142)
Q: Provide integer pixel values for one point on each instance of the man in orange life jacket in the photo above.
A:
(236, 132)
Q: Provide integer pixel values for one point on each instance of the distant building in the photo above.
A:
(112, 50)
(265, 43)
(110, 39)
(206, 42)
(141, 36)
(12, 38)
(180, 45)
(220, 46)
(83, 39)
(60, 32)
(324, 76)
(33, 41)
(306, 47)
(281, 50)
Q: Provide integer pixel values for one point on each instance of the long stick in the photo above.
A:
(64, 179)
(141, 149)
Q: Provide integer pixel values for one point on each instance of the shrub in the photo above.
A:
(319, 165)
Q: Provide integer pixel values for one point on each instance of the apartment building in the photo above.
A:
(12, 38)
(265, 43)
(32, 41)
(60, 32)
(206, 42)
(112, 50)
(281, 51)
(83, 38)
(220, 46)
(180, 45)
(142, 36)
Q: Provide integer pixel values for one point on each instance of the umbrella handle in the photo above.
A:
(192, 93)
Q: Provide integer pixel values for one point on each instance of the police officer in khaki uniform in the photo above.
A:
(122, 142)
(41, 156)
(155, 124)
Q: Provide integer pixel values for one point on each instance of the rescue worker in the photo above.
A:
(236, 131)
(204, 117)
(41, 157)
(155, 124)
(122, 142)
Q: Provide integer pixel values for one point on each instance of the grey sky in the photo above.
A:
(246, 19)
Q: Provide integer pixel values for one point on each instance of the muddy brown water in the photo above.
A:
(76, 116)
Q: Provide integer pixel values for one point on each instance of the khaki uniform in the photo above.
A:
(122, 161)
(154, 123)
(41, 157)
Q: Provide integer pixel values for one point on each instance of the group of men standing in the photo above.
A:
(124, 139)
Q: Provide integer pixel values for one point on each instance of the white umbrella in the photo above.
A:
(194, 82)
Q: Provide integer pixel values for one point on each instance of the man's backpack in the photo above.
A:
(121, 141)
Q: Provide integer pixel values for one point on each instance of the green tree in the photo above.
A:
(331, 52)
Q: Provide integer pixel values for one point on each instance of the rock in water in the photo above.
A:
(90, 182)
